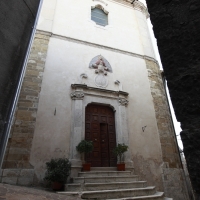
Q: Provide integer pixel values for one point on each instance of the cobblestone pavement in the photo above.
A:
(11, 192)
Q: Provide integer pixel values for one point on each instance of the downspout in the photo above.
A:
(14, 105)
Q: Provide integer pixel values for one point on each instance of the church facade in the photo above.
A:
(92, 74)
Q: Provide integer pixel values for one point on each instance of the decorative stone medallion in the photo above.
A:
(77, 95)
(102, 67)
(123, 102)
(101, 81)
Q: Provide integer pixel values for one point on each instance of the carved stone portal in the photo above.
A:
(101, 66)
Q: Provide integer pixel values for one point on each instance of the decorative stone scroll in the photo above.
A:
(77, 95)
(123, 102)
(83, 76)
(119, 84)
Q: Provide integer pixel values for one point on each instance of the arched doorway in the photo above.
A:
(100, 128)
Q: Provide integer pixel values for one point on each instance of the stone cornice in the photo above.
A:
(137, 5)
(99, 46)
(87, 90)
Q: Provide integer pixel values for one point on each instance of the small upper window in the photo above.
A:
(99, 16)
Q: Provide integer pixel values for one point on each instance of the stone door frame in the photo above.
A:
(82, 95)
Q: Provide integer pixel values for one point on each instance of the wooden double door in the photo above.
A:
(100, 128)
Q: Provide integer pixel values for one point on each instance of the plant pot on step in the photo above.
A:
(57, 186)
(86, 166)
(86, 147)
(58, 170)
(119, 151)
(121, 167)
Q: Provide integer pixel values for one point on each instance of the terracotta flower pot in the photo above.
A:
(57, 186)
(121, 167)
(86, 166)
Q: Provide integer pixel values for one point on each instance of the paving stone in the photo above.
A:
(11, 172)
(10, 192)
(25, 181)
(27, 173)
(9, 180)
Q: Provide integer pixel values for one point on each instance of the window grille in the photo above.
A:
(99, 16)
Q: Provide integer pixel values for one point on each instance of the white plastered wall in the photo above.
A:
(65, 62)
(127, 29)
(67, 59)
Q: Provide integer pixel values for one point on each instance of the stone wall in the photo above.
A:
(173, 176)
(17, 176)
(20, 141)
(17, 19)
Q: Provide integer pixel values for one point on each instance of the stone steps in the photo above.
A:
(105, 179)
(104, 173)
(105, 186)
(103, 169)
(118, 193)
(156, 196)
(111, 184)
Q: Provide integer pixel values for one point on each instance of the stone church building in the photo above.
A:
(92, 74)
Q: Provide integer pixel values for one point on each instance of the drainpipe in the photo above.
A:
(14, 104)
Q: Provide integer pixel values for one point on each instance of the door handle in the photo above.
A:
(95, 139)
(103, 141)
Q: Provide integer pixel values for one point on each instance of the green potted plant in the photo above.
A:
(119, 151)
(85, 147)
(57, 172)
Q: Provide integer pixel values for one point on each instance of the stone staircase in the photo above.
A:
(111, 184)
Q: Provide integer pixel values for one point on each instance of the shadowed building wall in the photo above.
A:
(176, 26)
(17, 19)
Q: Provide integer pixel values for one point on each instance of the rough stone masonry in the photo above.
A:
(16, 25)
(16, 163)
(172, 170)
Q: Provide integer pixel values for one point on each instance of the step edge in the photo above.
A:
(119, 190)
(108, 183)
(137, 182)
(157, 194)
(106, 172)
(133, 176)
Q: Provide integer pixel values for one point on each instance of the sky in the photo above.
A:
(176, 123)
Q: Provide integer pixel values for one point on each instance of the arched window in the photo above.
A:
(99, 16)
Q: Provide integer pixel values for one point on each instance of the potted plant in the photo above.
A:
(119, 151)
(57, 172)
(85, 147)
